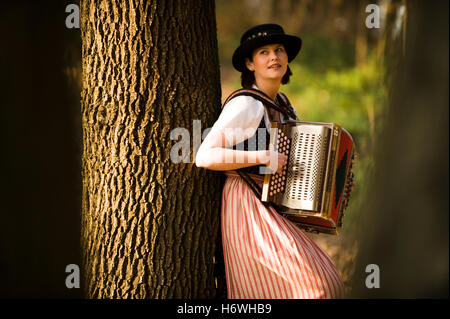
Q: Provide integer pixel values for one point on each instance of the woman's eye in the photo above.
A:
(280, 49)
(263, 52)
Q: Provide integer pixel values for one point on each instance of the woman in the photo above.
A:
(265, 255)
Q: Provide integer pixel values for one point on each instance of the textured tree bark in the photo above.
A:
(148, 225)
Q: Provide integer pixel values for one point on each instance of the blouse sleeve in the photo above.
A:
(239, 119)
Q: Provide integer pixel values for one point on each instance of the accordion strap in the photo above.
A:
(284, 107)
(254, 187)
(251, 183)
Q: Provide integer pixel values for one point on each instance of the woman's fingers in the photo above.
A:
(273, 159)
(282, 159)
(277, 160)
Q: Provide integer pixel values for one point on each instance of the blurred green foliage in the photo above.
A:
(352, 97)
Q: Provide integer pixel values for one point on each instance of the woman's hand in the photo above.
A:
(275, 160)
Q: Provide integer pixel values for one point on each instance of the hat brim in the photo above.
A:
(292, 45)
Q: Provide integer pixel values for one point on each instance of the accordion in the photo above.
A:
(313, 189)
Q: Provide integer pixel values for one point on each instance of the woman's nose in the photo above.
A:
(273, 55)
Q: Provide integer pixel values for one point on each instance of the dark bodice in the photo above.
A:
(259, 141)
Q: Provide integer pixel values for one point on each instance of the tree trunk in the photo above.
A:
(148, 225)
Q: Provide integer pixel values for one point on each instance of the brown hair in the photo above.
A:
(248, 78)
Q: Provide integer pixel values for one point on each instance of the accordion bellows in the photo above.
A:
(313, 189)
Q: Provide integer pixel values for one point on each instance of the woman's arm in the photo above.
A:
(214, 156)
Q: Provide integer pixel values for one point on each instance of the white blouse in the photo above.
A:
(240, 119)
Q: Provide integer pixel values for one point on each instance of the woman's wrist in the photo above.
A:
(264, 157)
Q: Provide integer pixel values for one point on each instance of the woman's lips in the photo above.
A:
(275, 66)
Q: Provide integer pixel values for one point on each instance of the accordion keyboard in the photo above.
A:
(278, 180)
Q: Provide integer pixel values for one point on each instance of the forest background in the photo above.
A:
(346, 73)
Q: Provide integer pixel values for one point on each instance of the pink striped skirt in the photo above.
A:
(266, 256)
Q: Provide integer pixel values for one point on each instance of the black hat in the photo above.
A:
(261, 35)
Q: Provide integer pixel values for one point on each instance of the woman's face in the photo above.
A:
(269, 62)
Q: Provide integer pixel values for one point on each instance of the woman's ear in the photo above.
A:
(249, 64)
